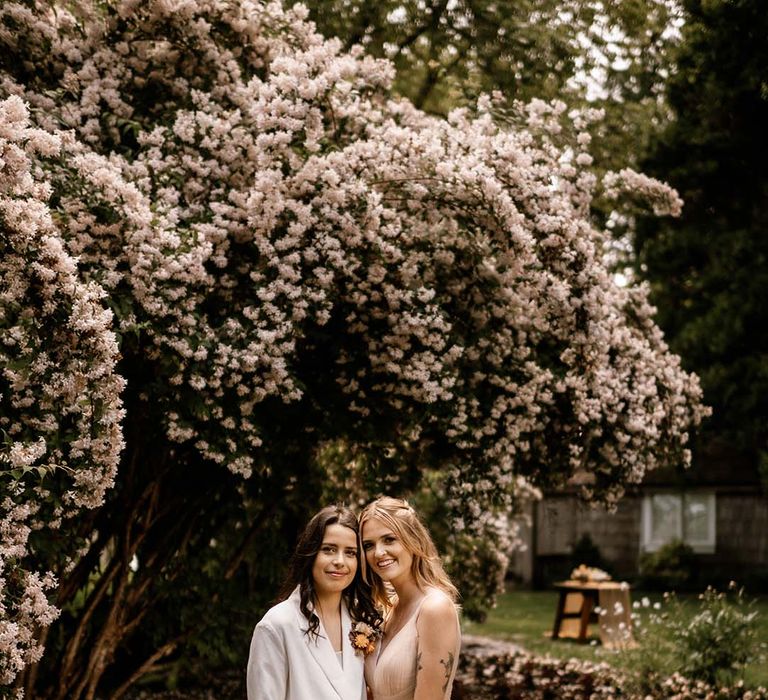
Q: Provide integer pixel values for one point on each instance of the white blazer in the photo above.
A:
(287, 664)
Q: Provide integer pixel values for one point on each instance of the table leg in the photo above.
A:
(587, 606)
(559, 614)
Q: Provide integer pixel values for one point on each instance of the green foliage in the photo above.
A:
(708, 269)
(712, 643)
(448, 51)
(477, 565)
(718, 641)
(672, 567)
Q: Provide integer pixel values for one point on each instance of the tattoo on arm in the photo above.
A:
(448, 668)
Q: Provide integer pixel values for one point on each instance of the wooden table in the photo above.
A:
(579, 602)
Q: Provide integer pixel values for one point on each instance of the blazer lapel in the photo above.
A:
(347, 682)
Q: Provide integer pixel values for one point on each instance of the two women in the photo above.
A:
(311, 645)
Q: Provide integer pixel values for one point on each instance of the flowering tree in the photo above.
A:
(59, 392)
(293, 260)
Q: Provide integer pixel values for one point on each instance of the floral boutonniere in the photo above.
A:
(363, 637)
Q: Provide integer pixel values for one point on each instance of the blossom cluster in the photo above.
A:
(253, 202)
(490, 671)
(60, 408)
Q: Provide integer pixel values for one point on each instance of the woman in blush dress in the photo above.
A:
(418, 655)
(310, 646)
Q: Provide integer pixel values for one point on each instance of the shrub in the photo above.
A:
(712, 643)
(673, 567)
(719, 640)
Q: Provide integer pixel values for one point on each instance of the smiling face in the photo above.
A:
(385, 553)
(336, 561)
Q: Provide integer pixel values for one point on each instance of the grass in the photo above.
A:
(525, 618)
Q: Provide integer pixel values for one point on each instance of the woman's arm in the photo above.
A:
(438, 648)
(267, 666)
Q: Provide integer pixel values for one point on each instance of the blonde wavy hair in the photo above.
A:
(427, 569)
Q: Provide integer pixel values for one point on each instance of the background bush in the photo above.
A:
(673, 567)
(711, 641)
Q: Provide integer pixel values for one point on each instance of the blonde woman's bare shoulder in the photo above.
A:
(437, 605)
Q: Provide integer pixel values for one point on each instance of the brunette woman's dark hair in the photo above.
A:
(357, 595)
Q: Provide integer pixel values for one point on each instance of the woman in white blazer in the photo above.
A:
(303, 649)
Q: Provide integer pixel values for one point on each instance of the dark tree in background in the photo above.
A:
(709, 268)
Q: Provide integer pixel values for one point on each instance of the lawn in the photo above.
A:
(525, 618)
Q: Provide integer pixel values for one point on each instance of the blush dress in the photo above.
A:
(391, 673)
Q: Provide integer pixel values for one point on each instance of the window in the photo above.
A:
(689, 517)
